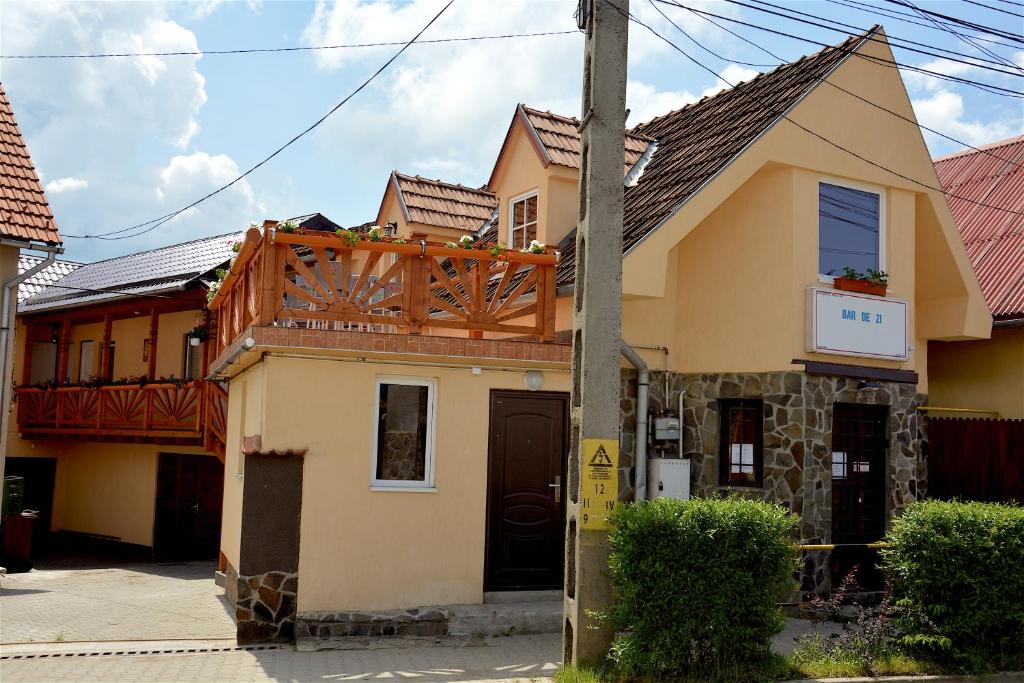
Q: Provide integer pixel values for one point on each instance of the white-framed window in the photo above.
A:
(522, 227)
(403, 434)
(851, 227)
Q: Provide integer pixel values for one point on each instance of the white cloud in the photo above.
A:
(944, 111)
(68, 184)
(730, 76)
(646, 102)
(204, 8)
(116, 122)
(187, 177)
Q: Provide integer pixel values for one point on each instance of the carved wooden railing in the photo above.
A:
(319, 280)
(216, 419)
(171, 412)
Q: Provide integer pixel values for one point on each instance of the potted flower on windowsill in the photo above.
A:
(875, 282)
(198, 334)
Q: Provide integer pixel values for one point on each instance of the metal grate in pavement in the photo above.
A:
(131, 652)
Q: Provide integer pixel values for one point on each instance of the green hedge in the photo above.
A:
(959, 570)
(697, 586)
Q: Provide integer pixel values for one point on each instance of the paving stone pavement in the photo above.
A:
(136, 602)
(497, 660)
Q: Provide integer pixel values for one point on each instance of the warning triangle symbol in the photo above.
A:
(601, 458)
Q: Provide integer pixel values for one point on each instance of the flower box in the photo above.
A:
(849, 284)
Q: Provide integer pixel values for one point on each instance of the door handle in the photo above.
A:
(557, 486)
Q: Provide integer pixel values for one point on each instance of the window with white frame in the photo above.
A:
(403, 455)
(849, 229)
(523, 229)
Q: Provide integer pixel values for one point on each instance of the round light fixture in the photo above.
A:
(533, 380)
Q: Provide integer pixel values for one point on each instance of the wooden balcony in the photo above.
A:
(187, 414)
(322, 281)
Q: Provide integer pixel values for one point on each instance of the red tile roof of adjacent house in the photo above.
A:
(559, 138)
(434, 202)
(24, 211)
(994, 238)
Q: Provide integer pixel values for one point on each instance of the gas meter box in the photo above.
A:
(666, 428)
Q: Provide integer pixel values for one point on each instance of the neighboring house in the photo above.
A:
(397, 437)
(26, 223)
(42, 279)
(987, 375)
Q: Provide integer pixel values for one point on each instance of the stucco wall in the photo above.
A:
(382, 549)
(521, 172)
(982, 375)
(244, 418)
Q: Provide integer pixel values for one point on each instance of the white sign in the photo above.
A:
(851, 324)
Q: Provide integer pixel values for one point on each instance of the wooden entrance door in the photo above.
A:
(189, 495)
(860, 439)
(526, 491)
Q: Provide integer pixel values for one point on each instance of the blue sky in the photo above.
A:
(121, 141)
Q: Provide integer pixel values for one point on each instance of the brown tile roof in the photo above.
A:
(699, 141)
(994, 239)
(560, 139)
(433, 202)
(24, 211)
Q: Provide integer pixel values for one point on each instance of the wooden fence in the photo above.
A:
(976, 459)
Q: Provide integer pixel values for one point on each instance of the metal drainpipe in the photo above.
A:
(6, 335)
(643, 384)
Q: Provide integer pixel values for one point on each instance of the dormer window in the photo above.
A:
(851, 225)
(524, 221)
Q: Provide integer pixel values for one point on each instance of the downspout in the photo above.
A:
(643, 384)
(6, 332)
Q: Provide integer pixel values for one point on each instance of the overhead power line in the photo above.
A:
(962, 22)
(783, 115)
(907, 18)
(157, 222)
(786, 13)
(988, 87)
(837, 87)
(947, 28)
(309, 48)
(994, 9)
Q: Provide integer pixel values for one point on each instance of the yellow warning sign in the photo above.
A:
(599, 482)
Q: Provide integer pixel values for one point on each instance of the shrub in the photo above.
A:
(959, 568)
(697, 586)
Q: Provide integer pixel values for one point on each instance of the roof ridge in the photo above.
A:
(169, 246)
(968, 151)
(438, 181)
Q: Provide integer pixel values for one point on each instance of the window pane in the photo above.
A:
(518, 213)
(531, 209)
(848, 229)
(402, 433)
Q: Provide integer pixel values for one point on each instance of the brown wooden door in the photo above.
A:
(526, 491)
(860, 439)
(189, 495)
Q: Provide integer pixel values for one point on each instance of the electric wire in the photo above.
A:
(306, 48)
(840, 88)
(783, 115)
(839, 29)
(994, 9)
(157, 222)
(987, 87)
(904, 17)
(956, 20)
(966, 39)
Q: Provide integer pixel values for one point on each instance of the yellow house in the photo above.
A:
(986, 377)
(26, 224)
(419, 460)
(114, 428)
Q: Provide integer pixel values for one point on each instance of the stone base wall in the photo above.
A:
(328, 629)
(265, 607)
(797, 440)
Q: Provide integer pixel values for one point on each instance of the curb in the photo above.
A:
(1005, 677)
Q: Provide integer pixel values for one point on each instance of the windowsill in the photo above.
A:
(405, 489)
(742, 487)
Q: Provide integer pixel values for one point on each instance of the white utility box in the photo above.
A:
(668, 477)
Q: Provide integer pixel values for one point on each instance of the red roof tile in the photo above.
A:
(994, 238)
(434, 202)
(560, 138)
(24, 211)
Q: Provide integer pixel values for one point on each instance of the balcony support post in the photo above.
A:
(26, 368)
(106, 369)
(154, 334)
(63, 352)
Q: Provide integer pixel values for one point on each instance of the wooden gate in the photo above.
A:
(976, 459)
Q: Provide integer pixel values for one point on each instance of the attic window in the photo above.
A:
(524, 221)
(850, 225)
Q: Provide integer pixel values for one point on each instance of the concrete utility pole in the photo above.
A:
(594, 451)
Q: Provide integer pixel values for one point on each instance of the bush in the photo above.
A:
(697, 586)
(959, 568)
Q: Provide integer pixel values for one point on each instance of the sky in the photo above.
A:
(120, 141)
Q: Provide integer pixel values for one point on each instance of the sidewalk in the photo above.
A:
(495, 660)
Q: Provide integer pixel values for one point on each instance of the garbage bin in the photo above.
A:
(17, 533)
